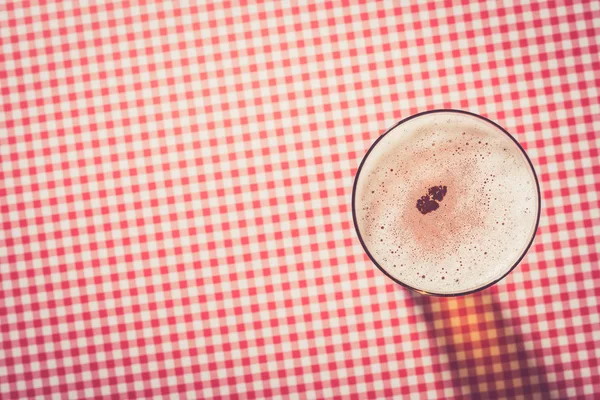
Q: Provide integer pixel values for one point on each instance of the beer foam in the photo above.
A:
(482, 225)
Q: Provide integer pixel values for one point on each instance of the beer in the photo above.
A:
(446, 202)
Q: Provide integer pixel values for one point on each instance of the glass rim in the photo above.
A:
(366, 249)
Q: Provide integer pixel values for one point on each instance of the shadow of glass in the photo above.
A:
(484, 351)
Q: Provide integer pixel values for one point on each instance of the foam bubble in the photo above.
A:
(478, 191)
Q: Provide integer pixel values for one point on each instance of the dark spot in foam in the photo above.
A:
(429, 202)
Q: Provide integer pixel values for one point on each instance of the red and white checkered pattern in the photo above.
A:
(175, 199)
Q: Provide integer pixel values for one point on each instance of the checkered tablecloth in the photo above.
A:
(175, 199)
